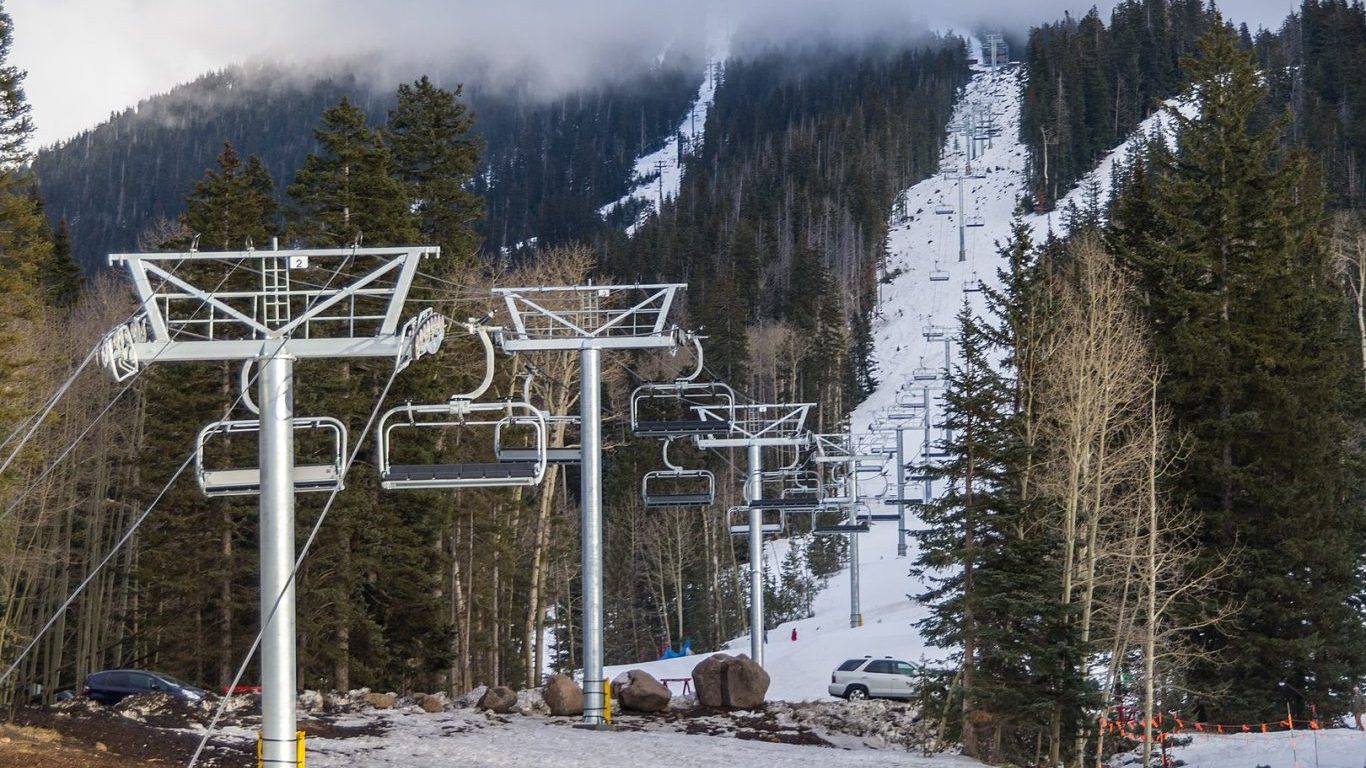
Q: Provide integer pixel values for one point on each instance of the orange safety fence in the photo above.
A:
(1166, 726)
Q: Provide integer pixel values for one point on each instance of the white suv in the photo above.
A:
(869, 678)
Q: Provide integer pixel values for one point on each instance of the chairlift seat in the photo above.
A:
(564, 456)
(786, 503)
(881, 518)
(680, 399)
(922, 478)
(424, 475)
(692, 496)
(247, 482)
(740, 530)
(939, 276)
(679, 500)
(461, 414)
(680, 428)
(943, 210)
(904, 502)
(824, 530)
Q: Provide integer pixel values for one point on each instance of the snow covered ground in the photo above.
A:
(469, 738)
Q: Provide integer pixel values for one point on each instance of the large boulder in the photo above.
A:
(431, 703)
(745, 683)
(500, 699)
(706, 680)
(734, 682)
(563, 696)
(380, 700)
(640, 692)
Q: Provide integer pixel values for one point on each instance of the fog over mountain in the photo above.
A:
(87, 58)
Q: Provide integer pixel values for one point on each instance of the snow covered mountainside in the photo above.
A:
(657, 175)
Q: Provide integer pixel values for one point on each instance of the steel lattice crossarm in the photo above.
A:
(596, 316)
(756, 424)
(331, 303)
(840, 448)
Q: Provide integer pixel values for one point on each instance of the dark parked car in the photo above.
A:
(112, 686)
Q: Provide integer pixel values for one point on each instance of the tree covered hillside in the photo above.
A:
(547, 165)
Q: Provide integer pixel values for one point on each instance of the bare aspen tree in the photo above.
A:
(1090, 398)
(1349, 253)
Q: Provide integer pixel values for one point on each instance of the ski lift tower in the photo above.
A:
(755, 426)
(997, 53)
(266, 307)
(839, 449)
(590, 319)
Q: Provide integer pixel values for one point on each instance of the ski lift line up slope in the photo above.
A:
(800, 669)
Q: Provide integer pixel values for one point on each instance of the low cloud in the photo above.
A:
(87, 58)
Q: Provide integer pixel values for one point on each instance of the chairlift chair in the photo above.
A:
(564, 454)
(938, 275)
(975, 220)
(670, 409)
(527, 452)
(845, 525)
(923, 373)
(675, 486)
(864, 514)
(737, 519)
(943, 209)
(463, 415)
(838, 528)
(908, 399)
(246, 481)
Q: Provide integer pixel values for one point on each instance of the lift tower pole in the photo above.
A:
(271, 313)
(755, 426)
(588, 319)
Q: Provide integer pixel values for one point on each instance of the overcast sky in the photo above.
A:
(88, 58)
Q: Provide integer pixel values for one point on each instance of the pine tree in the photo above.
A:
(61, 275)
(1247, 323)
(347, 192)
(16, 121)
(233, 206)
(435, 157)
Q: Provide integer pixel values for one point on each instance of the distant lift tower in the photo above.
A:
(996, 53)
(267, 308)
(589, 319)
(755, 426)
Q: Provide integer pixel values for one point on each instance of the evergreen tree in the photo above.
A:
(347, 192)
(436, 157)
(25, 243)
(16, 121)
(1246, 320)
(232, 206)
(62, 278)
(957, 536)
